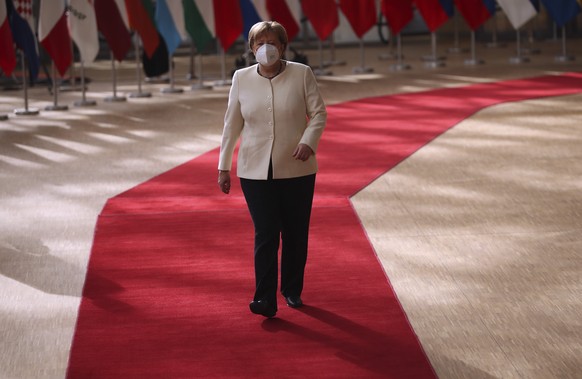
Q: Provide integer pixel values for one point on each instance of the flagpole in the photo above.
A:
(114, 97)
(473, 61)
(564, 57)
(25, 77)
(139, 92)
(530, 40)
(456, 48)
(362, 68)
(432, 61)
(321, 70)
(171, 88)
(518, 59)
(223, 81)
(494, 42)
(84, 102)
(191, 67)
(200, 84)
(55, 106)
(333, 61)
(399, 66)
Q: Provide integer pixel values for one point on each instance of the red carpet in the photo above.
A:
(170, 274)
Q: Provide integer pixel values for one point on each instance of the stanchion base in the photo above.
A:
(362, 70)
(115, 99)
(564, 58)
(474, 62)
(26, 112)
(334, 63)
(388, 56)
(85, 103)
(322, 72)
(200, 86)
(3, 117)
(172, 90)
(399, 67)
(140, 94)
(531, 51)
(434, 64)
(56, 107)
(431, 58)
(518, 60)
(457, 50)
(222, 83)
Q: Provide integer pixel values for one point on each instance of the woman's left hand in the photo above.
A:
(302, 152)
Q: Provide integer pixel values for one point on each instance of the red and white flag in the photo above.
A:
(7, 57)
(361, 14)
(53, 33)
(287, 13)
(24, 9)
(323, 16)
(518, 11)
(83, 28)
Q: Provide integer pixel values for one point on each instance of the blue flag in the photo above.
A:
(250, 16)
(167, 26)
(448, 7)
(24, 39)
(562, 11)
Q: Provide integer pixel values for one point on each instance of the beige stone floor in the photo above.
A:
(479, 231)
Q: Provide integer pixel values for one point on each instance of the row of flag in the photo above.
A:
(62, 22)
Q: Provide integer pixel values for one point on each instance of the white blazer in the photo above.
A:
(272, 117)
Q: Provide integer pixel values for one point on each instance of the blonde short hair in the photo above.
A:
(264, 27)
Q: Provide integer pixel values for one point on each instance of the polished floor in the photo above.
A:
(479, 232)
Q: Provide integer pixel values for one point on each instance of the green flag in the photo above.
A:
(199, 23)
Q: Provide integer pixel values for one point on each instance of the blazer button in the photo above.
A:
(269, 109)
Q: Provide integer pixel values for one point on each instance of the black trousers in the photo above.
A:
(280, 210)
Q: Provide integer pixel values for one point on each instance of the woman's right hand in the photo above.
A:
(224, 181)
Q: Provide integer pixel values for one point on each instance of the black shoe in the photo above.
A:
(294, 301)
(261, 307)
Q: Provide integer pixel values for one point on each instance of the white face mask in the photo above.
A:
(267, 55)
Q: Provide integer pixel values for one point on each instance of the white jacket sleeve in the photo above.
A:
(316, 112)
(233, 125)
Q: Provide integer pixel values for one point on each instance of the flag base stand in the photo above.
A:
(172, 90)
(222, 83)
(322, 72)
(474, 62)
(531, 51)
(518, 60)
(198, 86)
(495, 44)
(115, 99)
(362, 70)
(56, 107)
(26, 112)
(457, 50)
(434, 64)
(564, 58)
(85, 103)
(334, 63)
(432, 58)
(399, 67)
(388, 56)
(140, 95)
